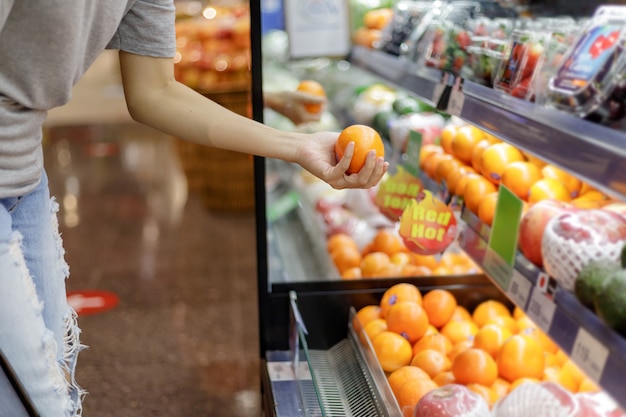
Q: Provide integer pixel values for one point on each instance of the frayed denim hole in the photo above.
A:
(54, 220)
(71, 348)
(15, 249)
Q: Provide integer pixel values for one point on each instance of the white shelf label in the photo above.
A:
(519, 289)
(589, 354)
(540, 309)
(455, 103)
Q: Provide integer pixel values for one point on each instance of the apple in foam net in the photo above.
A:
(533, 225)
(452, 400)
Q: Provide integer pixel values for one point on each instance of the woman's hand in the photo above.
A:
(292, 105)
(317, 155)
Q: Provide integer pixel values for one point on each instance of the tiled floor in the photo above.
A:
(184, 339)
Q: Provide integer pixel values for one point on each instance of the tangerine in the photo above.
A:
(455, 176)
(392, 350)
(464, 141)
(487, 310)
(487, 208)
(388, 241)
(556, 375)
(490, 338)
(520, 357)
(346, 257)
(408, 319)
(519, 176)
(365, 140)
(547, 344)
(429, 164)
(507, 322)
(340, 240)
(448, 133)
(548, 188)
(570, 182)
(501, 387)
(315, 88)
(367, 314)
(427, 150)
(351, 273)
(401, 258)
(440, 305)
(372, 264)
(459, 188)
(413, 390)
(475, 190)
(403, 374)
(477, 154)
(459, 330)
(374, 328)
(444, 378)
(443, 164)
(474, 366)
(399, 292)
(462, 346)
(461, 313)
(496, 158)
(431, 361)
(434, 341)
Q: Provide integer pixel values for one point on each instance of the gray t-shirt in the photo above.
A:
(45, 48)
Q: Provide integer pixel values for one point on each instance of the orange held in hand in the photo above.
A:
(312, 87)
(365, 140)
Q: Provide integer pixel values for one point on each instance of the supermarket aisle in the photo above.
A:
(183, 339)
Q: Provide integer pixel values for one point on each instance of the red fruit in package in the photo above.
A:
(452, 400)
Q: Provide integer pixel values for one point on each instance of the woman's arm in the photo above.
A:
(156, 99)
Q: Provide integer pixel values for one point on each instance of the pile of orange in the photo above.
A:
(374, 21)
(386, 256)
(423, 341)
(473, 163)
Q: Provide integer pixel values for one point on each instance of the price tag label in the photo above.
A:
(589, 354)
(505, 228)
(519, 290)
(540, 309)
(413, 149)
(457, 98)
(497, 268)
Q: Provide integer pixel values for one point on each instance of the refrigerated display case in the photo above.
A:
(315, 360)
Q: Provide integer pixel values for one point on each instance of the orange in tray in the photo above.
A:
(440, 305)
(388, 241)
(520, 357)
(365, 140)
(345, 257)
(464, 141)
(487, 208)
(405, 373)
(412, 391)
(548, 188)
(459, 330)
(488, 310)
(373, 263)
(435, 341)
(448, 133)
(520, 176)
(399, 292)
(477, 154)
(569, 181)
(392, 350)
(315, 88)
(475, 190)
(408, 319)
(490, 338)
(367, 314)
(496, 158)
(474, 366)
(432, 362)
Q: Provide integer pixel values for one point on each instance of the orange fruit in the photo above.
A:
(490, 338)
(461, 313)
(474, 366)
(400, 258)
(455, 175)
(431, 361)
(413, 390)
(459, 330)
(520, 357)
(372, 263)
(351, 273)
(431, 330)
(519, 176)
(408, 319)
(488, 393)
(588, 385)
(445, 166)
(496, 158)
(403, 374)
(340, 240)
(411, 270)
(430, 161)
(365, 140)
(475, 190)
(524, 323)
(366, 314)
(501, 387)
(464, 141)
(439, 305)
(462, 346)
(374, 328)
(315, 88)
(556, 375)
(388, 241)
(561, 357)
(427, 150)
(448, 133)
(547, 344)
(444, 378)
(487, 208)
(518, 313)
(477, 154)
(399, 292)
(570, 368)
(346, 257)
(507, 322)
(424, 260)
(434, 341)
(569, 181)
(487, 310)
(548, 188)
(392, 350)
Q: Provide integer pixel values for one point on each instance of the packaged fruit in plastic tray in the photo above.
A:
(590, 82)
(488, 41)
(407, 14)
(410, 48)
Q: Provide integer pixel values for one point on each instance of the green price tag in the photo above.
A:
(413, 149)
(283, 205)
(505, 227)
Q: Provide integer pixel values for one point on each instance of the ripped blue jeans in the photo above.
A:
(39, 335)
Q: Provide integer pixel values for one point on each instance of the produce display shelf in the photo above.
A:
(593, 152)
(598, 350)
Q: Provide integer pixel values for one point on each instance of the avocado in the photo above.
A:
(406, 105)
(610, 301)
(382, 122)
(590, 280)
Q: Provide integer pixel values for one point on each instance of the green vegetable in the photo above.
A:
(591, 278)
(610, 301)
